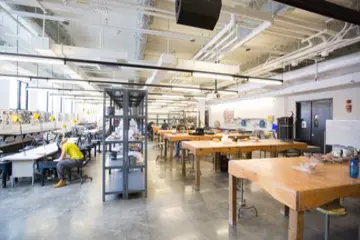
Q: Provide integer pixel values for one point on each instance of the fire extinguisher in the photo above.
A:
(348, 106)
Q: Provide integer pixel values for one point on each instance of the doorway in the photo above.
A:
(311, 119)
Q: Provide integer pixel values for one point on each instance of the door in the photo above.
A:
(321, 111)
(303, 122)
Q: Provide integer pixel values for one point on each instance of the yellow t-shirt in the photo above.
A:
(73, 151)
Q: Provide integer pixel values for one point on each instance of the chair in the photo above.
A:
(331, 209)
(86, 160)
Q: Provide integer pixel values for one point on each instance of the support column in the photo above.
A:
(201, 113)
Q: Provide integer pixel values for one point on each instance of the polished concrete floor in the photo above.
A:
(173, 210)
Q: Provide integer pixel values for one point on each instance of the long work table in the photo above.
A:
(204, 148)
(23, 162)
(297, 190)
(178, 137)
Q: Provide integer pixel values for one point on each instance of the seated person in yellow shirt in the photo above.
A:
(75, 158)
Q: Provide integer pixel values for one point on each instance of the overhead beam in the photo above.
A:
(16, 56)
(110, 82)
(326, 9)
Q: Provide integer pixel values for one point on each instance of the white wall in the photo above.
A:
(339, 102)
(256, 108)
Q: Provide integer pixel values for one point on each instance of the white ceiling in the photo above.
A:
(112, 29)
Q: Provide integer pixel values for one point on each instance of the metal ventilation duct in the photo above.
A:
(144, 22)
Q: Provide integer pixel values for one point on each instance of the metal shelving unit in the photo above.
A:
(123, 175)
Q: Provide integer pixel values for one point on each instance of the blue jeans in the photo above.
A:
(177, 149)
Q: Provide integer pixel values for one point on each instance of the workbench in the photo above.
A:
(23, 162)
(297, 190)
(204, 148)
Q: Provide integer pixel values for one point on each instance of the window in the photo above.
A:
(18, 96)
(23, 96)
(42, 100)
(13, 94)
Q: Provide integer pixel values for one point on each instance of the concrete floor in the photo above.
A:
(173, 210)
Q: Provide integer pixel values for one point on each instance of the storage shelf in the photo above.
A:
(137, 167)
(127, 176)
(114, 116)
(136, 181)
(136, 142)
(136, 117)
(114, 164)
(114, 183)
(113, 141)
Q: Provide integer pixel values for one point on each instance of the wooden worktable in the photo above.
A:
(178, 137)
(298, 190)
(204, 148)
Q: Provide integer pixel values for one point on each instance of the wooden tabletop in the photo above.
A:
(186, 137)
(298, 190)
(295, 189)
(202, 148)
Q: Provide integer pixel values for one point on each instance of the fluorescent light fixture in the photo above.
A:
(201, 98)
(63, 91)
(178, 104)
(213, 76)
(163, 101)
(83, 98)
(31, 59)
(265, 81)
(68, 81)
(27, 80)
(227, 93)
(185, 89)
(172, 96)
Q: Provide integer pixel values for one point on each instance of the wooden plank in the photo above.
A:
(296, 225)
(232, 199)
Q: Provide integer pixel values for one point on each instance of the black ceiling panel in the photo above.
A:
(326, 8)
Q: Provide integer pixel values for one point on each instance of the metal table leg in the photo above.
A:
(243, 205)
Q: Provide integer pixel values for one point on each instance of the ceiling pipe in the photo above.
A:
(241, 41)
(28, 57)
(107, 82)
(218, 36)
(301, 53)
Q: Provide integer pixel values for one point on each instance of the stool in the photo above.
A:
(331, 209)
(156, 140)
(160, 157)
